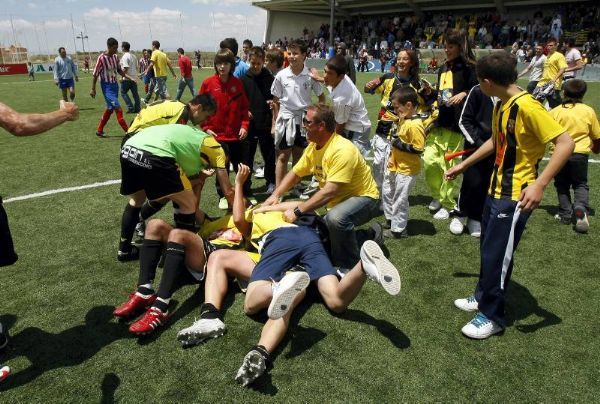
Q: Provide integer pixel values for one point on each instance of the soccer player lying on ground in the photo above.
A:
(184, 250)
(284, 247)
(158, 163)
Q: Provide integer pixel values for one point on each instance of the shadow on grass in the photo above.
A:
(415, 200)
(385, 328)
(521, 304)
(418, 227)
(553, 210)
(110, 384)
(73, 346)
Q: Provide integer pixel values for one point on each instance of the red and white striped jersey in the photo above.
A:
(107, 68)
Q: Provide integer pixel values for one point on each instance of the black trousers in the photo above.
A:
(236, 153)
(263, 139)
(574, 174)
(474, 188)
(8, 256)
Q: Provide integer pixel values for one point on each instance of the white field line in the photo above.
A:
(103, 184)
(61, 190)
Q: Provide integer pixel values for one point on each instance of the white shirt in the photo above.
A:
(537, 68)
(294, 91)
(572, 56)
(129, 61)
(349, 107)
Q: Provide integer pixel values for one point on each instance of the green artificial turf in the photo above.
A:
(66, 347)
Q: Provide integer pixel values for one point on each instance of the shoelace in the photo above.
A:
(480, 320)
(471, 299)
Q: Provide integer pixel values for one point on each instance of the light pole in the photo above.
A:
(82, 37)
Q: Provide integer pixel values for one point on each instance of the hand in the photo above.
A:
(71, 110)
(93, 93)
(457, 99)
(372, 84)
(289, 216)
(454, 172)
(243, 133)
(272, 200)
(210, 132)
(531, 197)
(270, 104)
(242, 174)
(207, 172)
(314, 74)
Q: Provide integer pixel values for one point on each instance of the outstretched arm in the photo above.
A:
(32, 124)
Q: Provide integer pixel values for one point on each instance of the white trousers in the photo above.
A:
(381, 153)
(396, 188)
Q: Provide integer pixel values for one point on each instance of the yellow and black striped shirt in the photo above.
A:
(160, 113)
(521, 127)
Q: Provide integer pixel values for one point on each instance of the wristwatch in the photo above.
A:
(297, 212)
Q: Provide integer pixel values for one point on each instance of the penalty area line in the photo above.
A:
(61, 190)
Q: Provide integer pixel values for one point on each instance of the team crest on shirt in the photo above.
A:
(510, 126)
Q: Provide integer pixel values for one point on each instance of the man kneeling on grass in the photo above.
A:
(292, 256)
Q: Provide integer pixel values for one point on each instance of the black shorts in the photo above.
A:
(8, 256)
(157, 176)
(299, 140)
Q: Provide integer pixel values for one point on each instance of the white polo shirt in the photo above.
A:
(537, 68)
(129, 61)
(349, 107)
(294, 91)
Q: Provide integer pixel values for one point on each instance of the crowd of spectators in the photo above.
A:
(381, 35)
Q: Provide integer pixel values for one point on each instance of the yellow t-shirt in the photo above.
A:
(581, 122)
(222, 233)
(551, 67)
(338, 161)
(412, 132)
(158, 114)
(212, 154)
(262, 224)
(159, 63)
(520, 129)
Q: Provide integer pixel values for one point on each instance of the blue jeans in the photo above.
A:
(161, 84)
(126, 86)
(341, 221)
(183, 82)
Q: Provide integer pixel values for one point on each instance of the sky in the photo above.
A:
(44, 25)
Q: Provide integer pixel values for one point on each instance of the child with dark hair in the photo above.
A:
(521, 127)
(581, 123)
(404, 163)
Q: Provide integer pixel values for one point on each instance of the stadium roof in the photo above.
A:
(349, 8)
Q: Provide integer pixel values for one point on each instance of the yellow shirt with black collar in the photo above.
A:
(338, 161)
(521, 128)
(412, 132)
(162, 113)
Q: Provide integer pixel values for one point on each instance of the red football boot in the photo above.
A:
(4, 372)
(134, 306)
(149, 322)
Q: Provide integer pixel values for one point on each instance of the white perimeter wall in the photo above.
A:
(281, 24)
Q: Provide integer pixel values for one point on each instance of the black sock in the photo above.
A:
(131, 216)
(149, 208)
(209, 311)
(149, 256)
(160, 305)
(185, 221)
(142, 290)
(174, 262)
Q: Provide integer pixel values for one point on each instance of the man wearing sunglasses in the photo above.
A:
(346, 187)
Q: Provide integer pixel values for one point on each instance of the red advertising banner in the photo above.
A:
(20, 68)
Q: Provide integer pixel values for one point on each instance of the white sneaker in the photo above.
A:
(223, 204)
(467, 304)
(474, 227)
(379, 268)
(200, 331)
(285, 291)
(442, 214)
(457, 225)
(434, 205)
(582, 224)
(480, 327)
(252, 368)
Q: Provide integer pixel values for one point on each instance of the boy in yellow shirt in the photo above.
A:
(581, 123)
(521, 128)
(404, 163)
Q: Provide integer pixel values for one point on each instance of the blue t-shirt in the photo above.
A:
(240, 68)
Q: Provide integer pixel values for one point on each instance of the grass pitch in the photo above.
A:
(57, 300)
